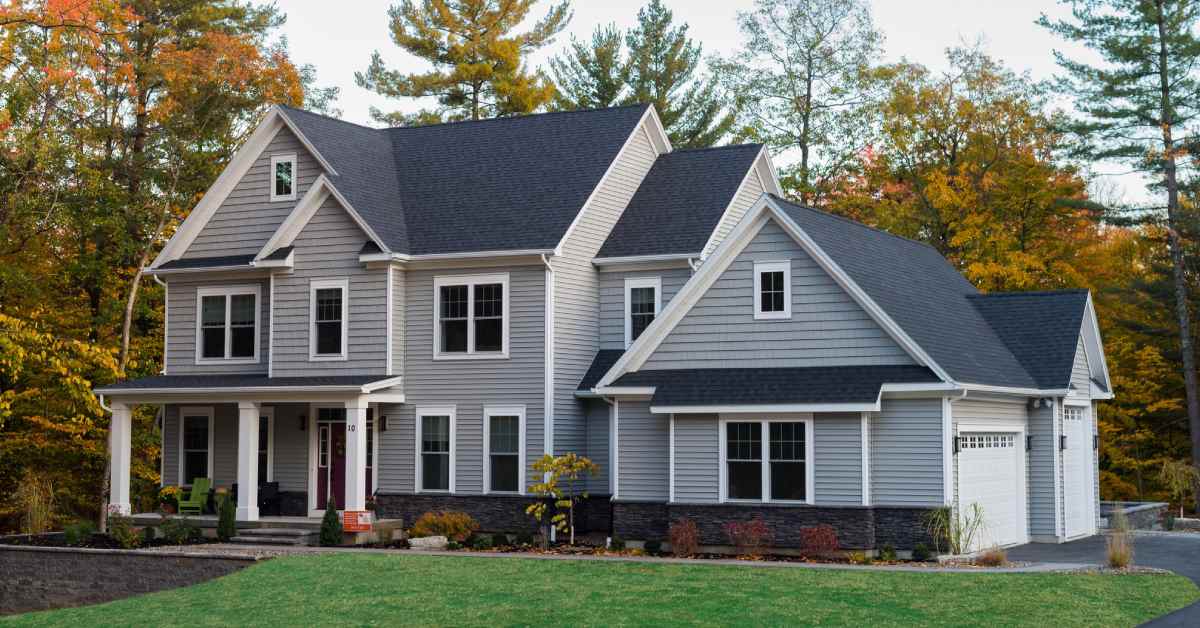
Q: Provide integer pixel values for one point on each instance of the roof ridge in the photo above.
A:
(1029, 293)
(856, 223)
(540, 114)
(331, 118)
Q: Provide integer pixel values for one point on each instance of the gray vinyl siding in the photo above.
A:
(170, 445)
(907, 445)
(984, 410)
(290, 458)
(827, 327)
(612, 299)
(290, 466)
(225, 444)
(328, 248)
(468, 385)
(181, 325)
(247, 218)
(576, 287)
(750, 192)
(643, 454)
(1081, 374)
(398, 316)
(599, 416)
(837, 459)
(1042, 472)
(697, 458)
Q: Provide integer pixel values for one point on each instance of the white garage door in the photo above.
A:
(989, 474)
(1077, 472)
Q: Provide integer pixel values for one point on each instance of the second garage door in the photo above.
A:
(989, 474)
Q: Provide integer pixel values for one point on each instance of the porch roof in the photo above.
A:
(249, 383)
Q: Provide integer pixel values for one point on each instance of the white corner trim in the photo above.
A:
(671, 458)
(195, 411)
(343, 284)
(866, 458)
(488, 413)
(271, 326)
(424, 411)
(388, 315)
(288, 158)
(313, 200)
(949, 434)
(640, 282)
(228, 291)
(548, 373)
(782, 266)
(472, 281)
(615, 444)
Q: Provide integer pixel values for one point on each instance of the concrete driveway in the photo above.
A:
(1177, 552)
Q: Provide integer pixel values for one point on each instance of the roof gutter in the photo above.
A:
(637, 259)
(433, 257)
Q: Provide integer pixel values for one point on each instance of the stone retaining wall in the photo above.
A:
(40, 578)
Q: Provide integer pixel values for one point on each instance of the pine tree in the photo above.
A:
(591, 76)
(663, 64)
(478, 65)
(331, 525)
(1140, 105)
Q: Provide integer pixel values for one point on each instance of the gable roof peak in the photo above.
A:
(851, 221)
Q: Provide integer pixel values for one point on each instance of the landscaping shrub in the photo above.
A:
(499, 540)
(684, 535)
(120, 528)
(331, 526)
(921, 552)
(617, 544)
(226, 519)
(992, 557)
(887, 552)
(524, 539)
(79, 533)
(148, 536)
(455, 526)
(859, 558)
(180, 531)
(168, 497)
(819, 540)
(652, 547)
(749, 537)
(1119, 544)
(1168, 521)
(34, 499)
(480, 542)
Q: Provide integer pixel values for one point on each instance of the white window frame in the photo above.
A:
(773, 267)
(765, 457)
(228, 292)
(422, 412)
(342, 284)
(640, 282)
(205, 411)
(488, 413)
(269, 415)
(280, 159)
(470, 281)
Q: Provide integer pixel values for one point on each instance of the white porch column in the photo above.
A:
(356, 455)
(119, 450)
(249, 414)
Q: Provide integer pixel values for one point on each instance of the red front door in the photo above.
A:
(331, 461)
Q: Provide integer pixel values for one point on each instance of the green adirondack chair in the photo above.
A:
(197, 498)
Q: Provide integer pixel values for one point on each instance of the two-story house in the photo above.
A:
(420, 313)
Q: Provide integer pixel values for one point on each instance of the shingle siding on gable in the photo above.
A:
(750, 192)
(181, 325)
(612, 300)
(577, 287)
(327, 248)
(827, 327)
(247, 218)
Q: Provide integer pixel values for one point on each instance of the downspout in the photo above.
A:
(694, 263)
(548, 401)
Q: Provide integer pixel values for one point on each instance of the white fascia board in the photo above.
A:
(287, 262)
(772, 183)
(938, 387)
(763, 408)
(382, 384)
(641, 259)
(662, 145)
(1008, 390)
(434, 257)
(624, 391)
(1093, 344)
(312, 201)
(163, 272)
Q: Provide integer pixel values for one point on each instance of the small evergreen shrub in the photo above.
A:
(819, 540)
(524, 539)
(750, 538)
(331, 525)
(455, 526)
(79, 533)
(499, 540)
(480, 542)
(684, 535)
(652, 547)
(149, 533)
(887, 552)
(617, 544)
(120, 528)
(180, 531)
(921, 552)
(226, 519)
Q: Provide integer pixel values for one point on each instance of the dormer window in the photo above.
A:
(772, 290)
(283, 178)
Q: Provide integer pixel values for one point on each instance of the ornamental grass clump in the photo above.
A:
(1119, 543)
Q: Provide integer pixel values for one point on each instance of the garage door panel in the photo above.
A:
(990, 475)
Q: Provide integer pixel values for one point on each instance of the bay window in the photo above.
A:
(471, 316)
(767, 460)
(227, 324)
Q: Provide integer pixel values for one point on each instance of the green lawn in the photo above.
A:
(388, 589)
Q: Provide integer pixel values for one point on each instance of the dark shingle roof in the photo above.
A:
(492, 185)
(927, 297)
(1040, 328)
(603, 361)
(209, 262)
(166, 382)
(280, 253)
(726, 386)
(680, 201)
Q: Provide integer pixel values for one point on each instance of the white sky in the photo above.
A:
(340, 41)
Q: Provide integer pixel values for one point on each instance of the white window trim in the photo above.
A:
(488, 413)
(640, 282)
(765, 457)
(422, 412)
(228, 292)
(279, 159)
(770, 267)
(470, 281)
(324, 284)
(269, 415)
(206, 411)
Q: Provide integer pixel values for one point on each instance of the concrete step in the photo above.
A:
(260, 539)
(276, 532)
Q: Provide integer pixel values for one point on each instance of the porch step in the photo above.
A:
(276, 532)
(275, 536)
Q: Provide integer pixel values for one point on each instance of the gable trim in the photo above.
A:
(241, 162)
(769, 185)
(696, 287)
(312, 201)
(1093, 347)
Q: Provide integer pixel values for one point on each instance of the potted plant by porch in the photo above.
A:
(168, 499)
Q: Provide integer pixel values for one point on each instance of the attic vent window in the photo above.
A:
(772, 290)
(283, 178)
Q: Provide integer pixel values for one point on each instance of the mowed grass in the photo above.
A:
(403, 589)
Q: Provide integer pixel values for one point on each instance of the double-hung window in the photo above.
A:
(435, 443)
(330, 304)
(505, 459)
(471, 316)
(767, 460)
(283, 178)
(195, 444)
(772, 290)
(641, 305)
(227, 324)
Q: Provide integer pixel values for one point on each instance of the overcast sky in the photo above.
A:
(339, 37)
